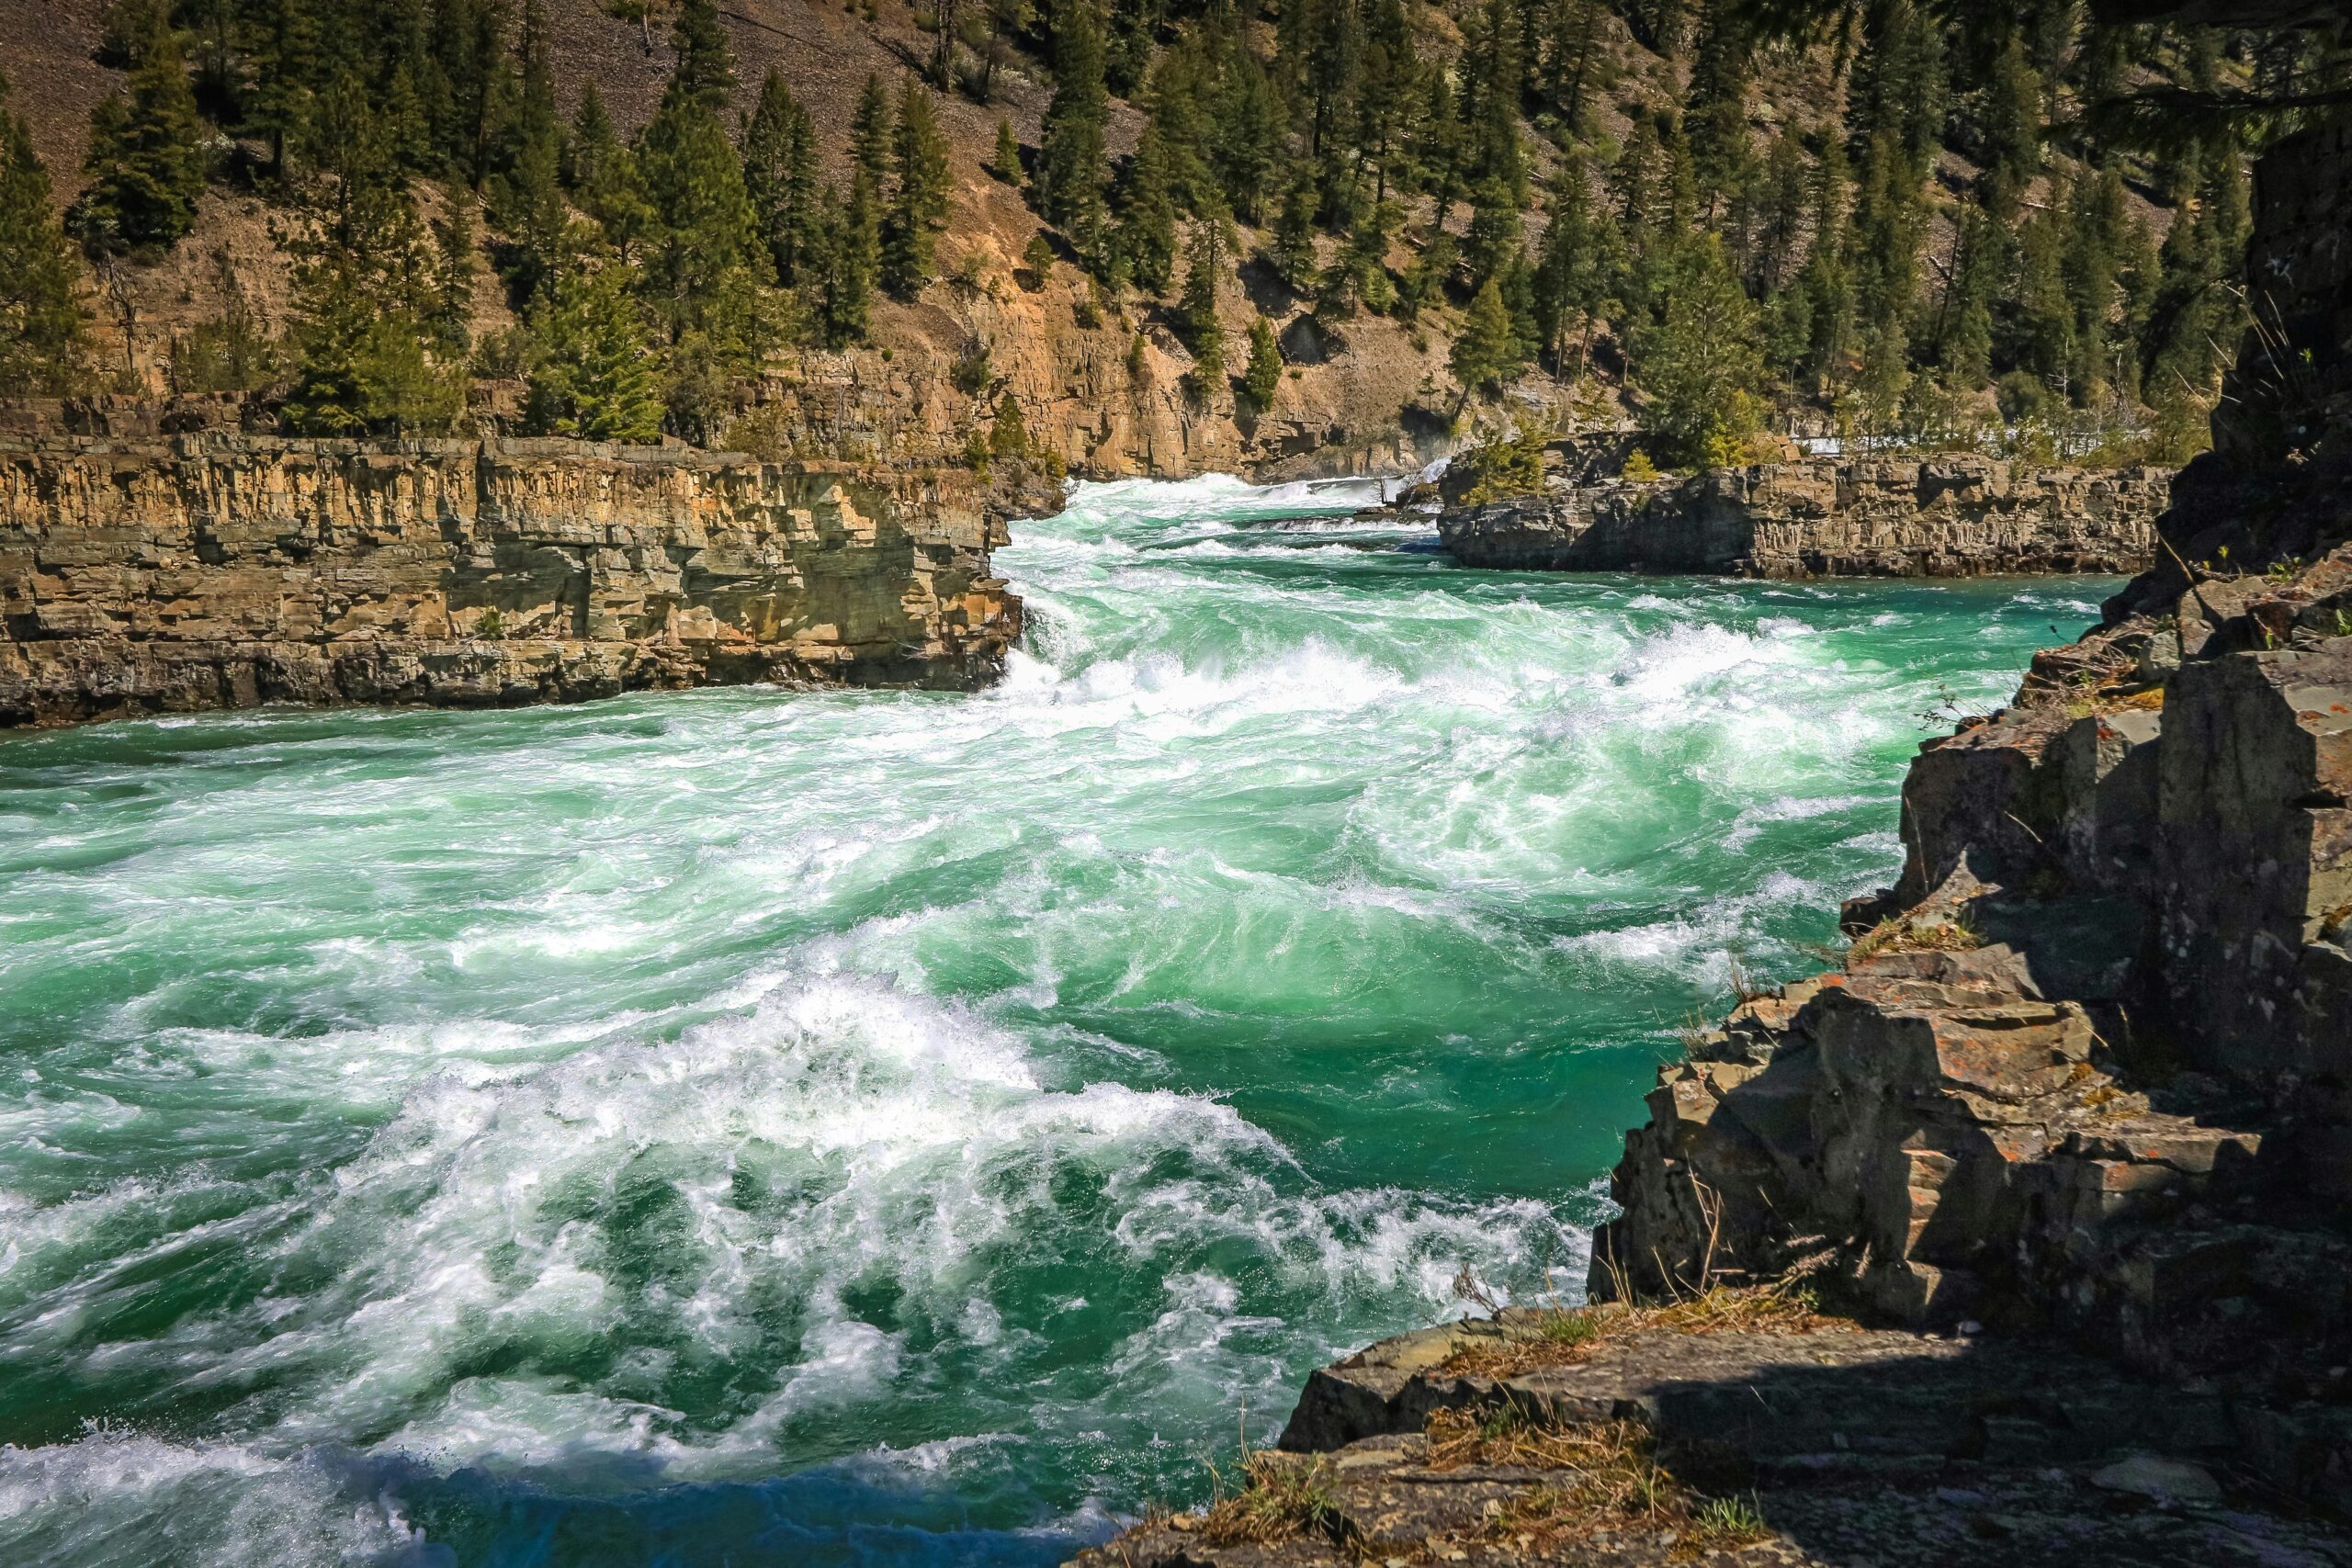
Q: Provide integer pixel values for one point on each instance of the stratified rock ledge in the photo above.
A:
(224, 571)
(1953, 517)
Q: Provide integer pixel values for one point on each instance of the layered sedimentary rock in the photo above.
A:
(217, 570)
(1827, 517)
(2088, 1063)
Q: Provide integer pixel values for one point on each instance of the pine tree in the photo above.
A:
(846, 264)
(870, 135)
(705, 64)
(280, 45)
(705, 263)
(1263, 377)
(1694, 362)
(1006, 162)
(1389, 99)
(917, 209)
(1008, 432)
(366, 351)
(1293, 252)
(41, 321)
(1486, 351)
(145, 168)
(1071, 162)
(1246, 132)
(526, 200)
(1144, 239)
(594, 374)
(1206, 262)
(607, 180)
(1582, 256)
(450, 313)
(780, 178)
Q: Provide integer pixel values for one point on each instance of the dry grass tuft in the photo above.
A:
(1563, 1338)
(1899, 933)
(1282, 1497)
(1608, 1475)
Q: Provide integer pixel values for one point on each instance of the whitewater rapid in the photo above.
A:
(754, 1126)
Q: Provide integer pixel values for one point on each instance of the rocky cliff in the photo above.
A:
(1957, 516)
(2088, 1063)
(208, 571)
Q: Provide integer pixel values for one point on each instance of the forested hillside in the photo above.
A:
(399, 216)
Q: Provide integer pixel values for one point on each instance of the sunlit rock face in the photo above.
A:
(225, 571)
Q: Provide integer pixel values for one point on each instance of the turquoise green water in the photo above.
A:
(748, 1127)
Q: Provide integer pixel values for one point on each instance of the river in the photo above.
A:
(754, 1127)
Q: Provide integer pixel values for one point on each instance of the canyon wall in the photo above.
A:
(215, 571)
(1947, 516)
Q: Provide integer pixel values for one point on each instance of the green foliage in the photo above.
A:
(1070, 162)
(595, 375)
(1005, 162)
(146, 163)
(366, 360)
(780, 178)
(1008, 436)
(1694, 363)
(1208, 258)
(918, 205)
(1487, 352)
(42, 336)
(1263, 377)
(1510, 465)
(844, 277)
(706, 269)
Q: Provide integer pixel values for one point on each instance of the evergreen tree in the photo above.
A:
(1263, 377)
(705, 263)
(1582, 257)
(595, 374)
(41, 321)
(280, 49)
(917, 209)
(705, 64)
(364, 276)
(1144, 242)
(145, 168)
(1008, 432)
(1070, 162)
(607, 182)
(1246, 133)
(449, 316)
(1694, 362)
(1006, 163)
(846, 263)
(1206, 259)
(780, 178)
(870, 134)
(1486, 351)
(527, 199)
(1388, 98)
(1293, 252)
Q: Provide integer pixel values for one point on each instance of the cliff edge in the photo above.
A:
(210, 571)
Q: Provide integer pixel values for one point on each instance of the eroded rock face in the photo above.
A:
(1829, 517)
(221, 572)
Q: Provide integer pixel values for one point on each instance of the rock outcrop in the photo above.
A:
(2088, 1063)
(1958, 516)
(208, 571)
(1575, 1438)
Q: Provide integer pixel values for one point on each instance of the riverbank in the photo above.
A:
(1948, 516)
